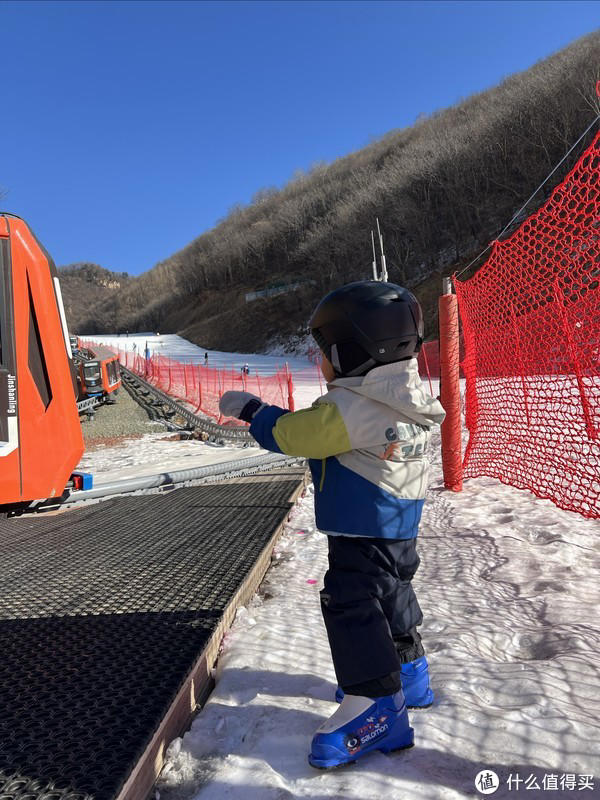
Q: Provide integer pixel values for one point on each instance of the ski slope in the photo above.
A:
(509, 588)
(180, 349)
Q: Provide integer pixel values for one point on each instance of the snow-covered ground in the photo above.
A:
(510, 592)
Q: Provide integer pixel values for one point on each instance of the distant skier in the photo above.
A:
(205, 359)
(245, 369)
(366, 441)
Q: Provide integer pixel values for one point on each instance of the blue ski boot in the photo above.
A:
(415, 685)
(359, 726)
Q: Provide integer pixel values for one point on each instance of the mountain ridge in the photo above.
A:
(442, 189)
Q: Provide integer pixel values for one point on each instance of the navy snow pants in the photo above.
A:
(371, 612)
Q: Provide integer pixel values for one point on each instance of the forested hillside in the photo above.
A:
(91, 292)
(441, 189)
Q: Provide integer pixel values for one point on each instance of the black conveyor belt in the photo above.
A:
(103, 612)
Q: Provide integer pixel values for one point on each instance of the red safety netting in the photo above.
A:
(531, 324)
(201, 386)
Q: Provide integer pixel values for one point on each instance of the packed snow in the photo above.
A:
(509, 588)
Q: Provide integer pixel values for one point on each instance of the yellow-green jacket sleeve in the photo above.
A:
(316, 432)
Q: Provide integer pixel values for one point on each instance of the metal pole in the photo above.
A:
(384, 275)
(374, 257)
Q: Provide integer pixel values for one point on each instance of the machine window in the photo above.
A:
(37, 362)
(112, 369)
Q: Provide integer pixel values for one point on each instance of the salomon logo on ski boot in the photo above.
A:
(359, 726)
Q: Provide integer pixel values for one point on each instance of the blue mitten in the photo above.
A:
(242, 405)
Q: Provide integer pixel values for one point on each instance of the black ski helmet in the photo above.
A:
(366, 324)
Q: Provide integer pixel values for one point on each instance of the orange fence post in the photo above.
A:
(450, 388)
(290, 388)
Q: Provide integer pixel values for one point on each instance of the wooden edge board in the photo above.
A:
(183, 708)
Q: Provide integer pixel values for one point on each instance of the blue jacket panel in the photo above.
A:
(346, 503)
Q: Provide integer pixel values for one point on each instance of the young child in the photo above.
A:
(366, 441)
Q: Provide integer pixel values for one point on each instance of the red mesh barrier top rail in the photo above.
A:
(531, 324)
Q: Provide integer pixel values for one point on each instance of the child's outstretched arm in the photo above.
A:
(316, 432)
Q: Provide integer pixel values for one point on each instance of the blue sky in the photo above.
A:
(129, 128)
